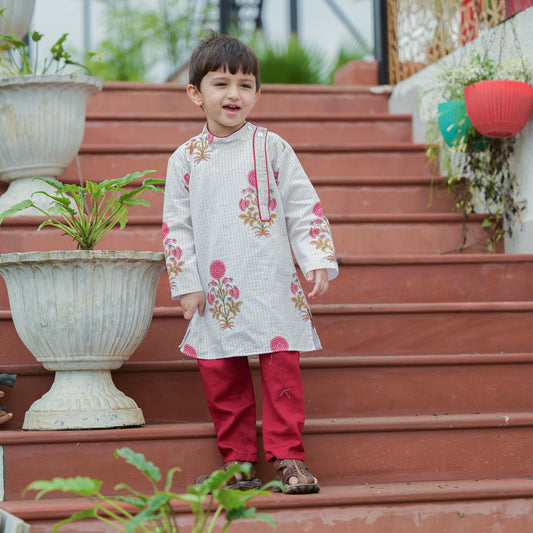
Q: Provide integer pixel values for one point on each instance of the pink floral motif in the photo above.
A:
(279, 344)
(173, 255)
(186, 179)
(317, 210)
(250, 210)
(165, 230)
(217, 269)
(299, 299)
(210, 138)
(320, 233)
(189, 351)
(222, 296)
(276, 176)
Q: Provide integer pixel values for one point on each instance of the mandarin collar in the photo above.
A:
(241, 134)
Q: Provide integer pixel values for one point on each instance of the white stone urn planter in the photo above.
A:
(82, 313)
(42, 122)
(19, 13)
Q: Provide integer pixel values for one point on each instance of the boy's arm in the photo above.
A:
(178, 238)
(308, 228)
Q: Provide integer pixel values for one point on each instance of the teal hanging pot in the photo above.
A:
(454, 123)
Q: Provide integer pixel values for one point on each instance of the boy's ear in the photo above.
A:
(257, 96)
(195, 95)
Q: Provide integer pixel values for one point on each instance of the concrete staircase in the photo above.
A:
(419, 412)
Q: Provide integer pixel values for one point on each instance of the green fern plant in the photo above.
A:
(138, 512)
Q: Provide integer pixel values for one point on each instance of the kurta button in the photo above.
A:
(260, 134)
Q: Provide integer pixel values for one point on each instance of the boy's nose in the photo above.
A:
(233, 91)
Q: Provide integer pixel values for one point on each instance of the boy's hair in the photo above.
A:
(215, 51)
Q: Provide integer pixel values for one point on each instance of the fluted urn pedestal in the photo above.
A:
(82, 314)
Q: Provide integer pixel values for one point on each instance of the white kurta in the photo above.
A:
(216, 241)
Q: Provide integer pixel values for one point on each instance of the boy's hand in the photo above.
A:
(320, 277)
(192, 301)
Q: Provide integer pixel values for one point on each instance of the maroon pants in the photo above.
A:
(230, 397)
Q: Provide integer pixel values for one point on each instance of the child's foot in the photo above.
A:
(239, 481)
(295, 477)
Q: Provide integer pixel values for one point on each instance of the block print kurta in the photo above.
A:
(217, 241)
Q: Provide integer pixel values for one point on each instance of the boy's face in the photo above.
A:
(226, 99)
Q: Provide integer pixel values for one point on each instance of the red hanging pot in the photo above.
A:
(499, 108)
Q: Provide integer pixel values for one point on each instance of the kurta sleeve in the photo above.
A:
(178, 238)
(308, 228)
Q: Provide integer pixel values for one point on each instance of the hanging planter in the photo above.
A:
(499, 108)
(454, 123)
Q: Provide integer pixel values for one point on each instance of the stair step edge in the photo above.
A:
(329, 496)
(378, 308)
(310, 362)
(330, 426)
(298, 147)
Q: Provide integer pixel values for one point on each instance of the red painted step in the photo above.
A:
(412, 279)
(402, 234)
(399, 159)
(342, 450)
(342, 129)
(418, 507)
(364, 386)
(134, 100)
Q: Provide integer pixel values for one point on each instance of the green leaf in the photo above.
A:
(137, 201)
(82, 486)
(138, 461)
(170, 477)
(15, 209)
(87, 513)
(138, 520)
(51, 181)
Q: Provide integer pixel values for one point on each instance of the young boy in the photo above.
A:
(235, 196)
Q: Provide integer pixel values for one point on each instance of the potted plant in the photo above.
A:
(154, 513)
(43, 112)
(501, 106)
(83, 312)
(476, 168)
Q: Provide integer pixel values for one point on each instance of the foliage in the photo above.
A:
(154, 513)
(18, 62)
(292, 62)
(86, 213)
(477, 169)
(142, 35)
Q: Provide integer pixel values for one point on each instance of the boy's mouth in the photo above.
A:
(230, 107)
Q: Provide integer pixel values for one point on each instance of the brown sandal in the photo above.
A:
(288, 468)
(239, 481)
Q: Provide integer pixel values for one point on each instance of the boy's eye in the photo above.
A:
(246, 85)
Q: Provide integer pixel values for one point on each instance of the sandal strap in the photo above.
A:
(288, 468)
(239, 476)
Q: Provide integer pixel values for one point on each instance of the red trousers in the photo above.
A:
(230, 397)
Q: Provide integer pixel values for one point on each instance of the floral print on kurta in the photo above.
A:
(299, 299)
(246, 271)
(250, 211)
(222, 296)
